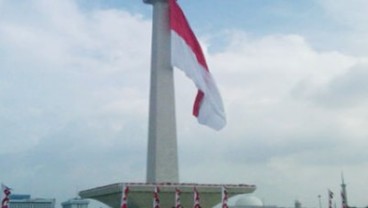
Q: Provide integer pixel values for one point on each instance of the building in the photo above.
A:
(25, 201)
(75, 203)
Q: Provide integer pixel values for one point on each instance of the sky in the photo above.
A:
(74, 87)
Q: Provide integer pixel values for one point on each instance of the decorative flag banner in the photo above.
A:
(343, 199)
(156, 197)
(330, 197)
(6, 193)
(177, 198)
(196, 198)
(124, 197)
(187, 55)
(224, 197)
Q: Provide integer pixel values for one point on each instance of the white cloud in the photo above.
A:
(351, 13)
(65, 64)
(72, 97)
(352, 18)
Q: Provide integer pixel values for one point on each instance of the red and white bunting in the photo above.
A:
(124, 197)
(196, 198)
(5, 199)
(330, 197)
(343, 200)
(224, 197)
(177, 198)
(156, 197)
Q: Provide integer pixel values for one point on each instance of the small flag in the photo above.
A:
(196, 198)
(177, 198)
(343, 199)
(224, 197)
(187, 55)
(330, 197)
(156, 197)
(6, 193)
(124, 197)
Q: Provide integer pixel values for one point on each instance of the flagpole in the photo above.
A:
(343, 192)
(162, 156)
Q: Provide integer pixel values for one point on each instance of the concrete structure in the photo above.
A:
(75, 203)
(25, 201)
(141, 194)
(162, 157)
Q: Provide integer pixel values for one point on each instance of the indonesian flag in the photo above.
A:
(196, 198)
(177, 198)
(124, 197)
(224, 197)
(5, 191)
(156, 197)
(187, 55)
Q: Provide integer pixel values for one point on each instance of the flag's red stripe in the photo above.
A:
(180, 25)
(197, 103)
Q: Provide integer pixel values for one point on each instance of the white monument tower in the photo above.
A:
(162, 156)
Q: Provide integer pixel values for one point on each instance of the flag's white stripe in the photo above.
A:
(211, 111)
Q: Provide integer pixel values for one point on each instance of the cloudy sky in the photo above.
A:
(74, 85)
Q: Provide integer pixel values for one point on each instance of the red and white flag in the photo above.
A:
(187, 55)
(224, 197)
(156, 197)
(196, 198)
(5, 192)
(343, 199)
(177, 198)
(124, 197)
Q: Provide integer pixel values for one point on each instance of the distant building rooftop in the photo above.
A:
(19, 196)
(25, 201)
(75, 201)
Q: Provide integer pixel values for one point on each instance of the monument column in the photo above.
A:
(162, 157)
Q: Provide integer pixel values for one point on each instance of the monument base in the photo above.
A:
(141, 194)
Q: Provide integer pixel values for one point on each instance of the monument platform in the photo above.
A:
(141, 194)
